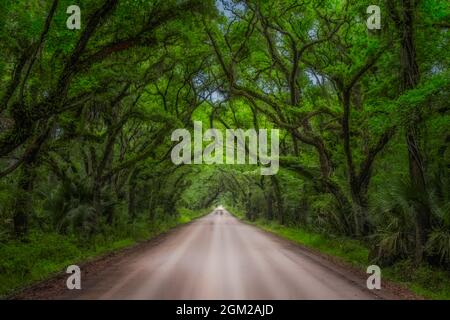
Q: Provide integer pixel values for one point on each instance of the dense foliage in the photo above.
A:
(86, 117)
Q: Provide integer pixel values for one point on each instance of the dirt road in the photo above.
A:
(219, 257)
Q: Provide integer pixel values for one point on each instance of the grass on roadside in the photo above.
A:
(44, 254)
(425, 280)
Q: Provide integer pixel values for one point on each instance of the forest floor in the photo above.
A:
(217, 257)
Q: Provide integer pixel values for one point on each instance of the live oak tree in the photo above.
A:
(86, 117)
(63, 90)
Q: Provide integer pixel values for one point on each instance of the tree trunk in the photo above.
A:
(279, 199)
(410, 79)
(248, 206)
(360, 202)
(132, 195)
(23, 206)
(269, 205)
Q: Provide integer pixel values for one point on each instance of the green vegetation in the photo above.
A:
(425, 280)
(44, 254)
(86, 118)
(349, 250)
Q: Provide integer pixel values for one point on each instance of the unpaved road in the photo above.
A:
(219, 257)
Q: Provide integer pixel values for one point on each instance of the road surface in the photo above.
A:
(219, 257)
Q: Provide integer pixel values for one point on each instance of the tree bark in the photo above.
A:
(278, 198)
(269, 205)
(23, 205)
(410, 79)
(132, 195)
